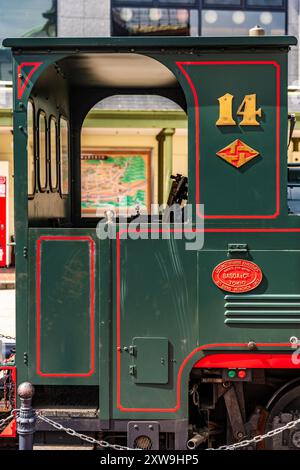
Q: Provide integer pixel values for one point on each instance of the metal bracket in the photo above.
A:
(237, 248)
(132, 370)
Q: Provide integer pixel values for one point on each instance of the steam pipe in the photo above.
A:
(196, 440)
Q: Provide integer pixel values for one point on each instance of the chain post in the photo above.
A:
(26, 417)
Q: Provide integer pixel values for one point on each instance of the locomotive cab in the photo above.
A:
(159, 332)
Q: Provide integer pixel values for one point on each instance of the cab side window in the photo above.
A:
(31, 149)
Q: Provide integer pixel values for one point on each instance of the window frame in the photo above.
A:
(53, 188)
(31, 196)
(40, 113)
(60, 119)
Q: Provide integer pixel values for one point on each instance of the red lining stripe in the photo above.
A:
(247, 361)
(91, 243)
(197, 122)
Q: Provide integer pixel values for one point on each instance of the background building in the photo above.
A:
(38, 18)
(140, 123)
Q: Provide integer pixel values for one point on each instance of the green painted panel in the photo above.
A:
(151, 360)
(65, 323)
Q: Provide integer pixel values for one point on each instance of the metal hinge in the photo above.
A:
(132, 370)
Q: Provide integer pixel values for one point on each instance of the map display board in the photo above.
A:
(115, 179)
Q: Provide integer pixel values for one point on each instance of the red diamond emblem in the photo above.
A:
(238, 153)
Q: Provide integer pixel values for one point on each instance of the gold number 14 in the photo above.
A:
(247, 110)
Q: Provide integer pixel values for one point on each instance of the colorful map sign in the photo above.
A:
(116, 180)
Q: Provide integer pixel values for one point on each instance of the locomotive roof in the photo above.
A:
(149, 42)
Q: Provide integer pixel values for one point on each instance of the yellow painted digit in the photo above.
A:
(225, 116)
(249, 112)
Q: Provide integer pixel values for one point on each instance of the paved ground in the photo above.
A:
(7, 312)
(7, 277)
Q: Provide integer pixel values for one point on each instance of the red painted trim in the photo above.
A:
(11, 430)
(197, 136)
(22, 86)
(91, 243)
(247, 361)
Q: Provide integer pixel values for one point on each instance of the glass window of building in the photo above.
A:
(163, 21)
(197, 17)
(26, 18)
